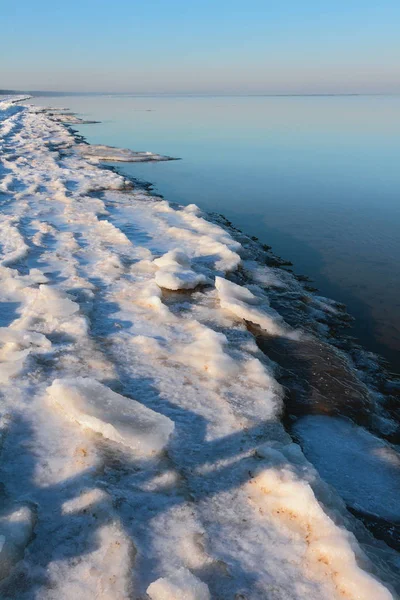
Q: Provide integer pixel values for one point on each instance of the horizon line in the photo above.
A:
(195, 94)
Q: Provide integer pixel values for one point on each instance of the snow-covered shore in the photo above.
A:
(142, 449)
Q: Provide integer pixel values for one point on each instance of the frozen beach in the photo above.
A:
(151, 362)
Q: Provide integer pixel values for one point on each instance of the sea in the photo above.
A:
(315, 177)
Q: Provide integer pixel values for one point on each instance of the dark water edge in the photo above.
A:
(328, 374)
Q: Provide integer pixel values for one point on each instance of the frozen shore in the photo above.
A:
(142, 448)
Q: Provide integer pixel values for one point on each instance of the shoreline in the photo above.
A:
(175, 330)
(364, 372)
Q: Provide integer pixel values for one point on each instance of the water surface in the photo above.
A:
(315, 177)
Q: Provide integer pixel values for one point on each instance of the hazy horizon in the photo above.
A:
(213, 48)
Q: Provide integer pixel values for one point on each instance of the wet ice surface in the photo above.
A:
(142, 450)
(358, 464)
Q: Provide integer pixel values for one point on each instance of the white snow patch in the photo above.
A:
(182, 585)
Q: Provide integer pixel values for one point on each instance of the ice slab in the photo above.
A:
(120, 419)
(363, 468)
(109, 153)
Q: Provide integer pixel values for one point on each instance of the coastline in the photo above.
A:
(292, 307)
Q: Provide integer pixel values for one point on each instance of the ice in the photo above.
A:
(109, 153)
(364, 469)
(174, 272)
(182, 585)
(16, 530)
(117, 418)
(244, 304)
(207, 353)
(182, 481)
(13, 245)
(328, 550)
(68, 118)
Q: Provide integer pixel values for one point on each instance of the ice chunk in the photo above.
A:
(116, 417)
(175, 273)
(15, 347)
(182, 585)
(241, 302)
(17, 339)
(55, 303)
(15, 533)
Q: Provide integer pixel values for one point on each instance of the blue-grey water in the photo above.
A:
(317, 178)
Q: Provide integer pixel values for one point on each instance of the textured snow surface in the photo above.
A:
(117, 318)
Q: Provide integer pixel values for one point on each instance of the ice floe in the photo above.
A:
(111, 154)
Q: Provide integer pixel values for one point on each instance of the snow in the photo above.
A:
(363, 465)
(16, 529)
(175, 273)
(120, 419)
(140, 421)
(182, 585)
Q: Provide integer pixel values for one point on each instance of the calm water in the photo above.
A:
(316, 177)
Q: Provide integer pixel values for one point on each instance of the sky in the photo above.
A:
(201, 46)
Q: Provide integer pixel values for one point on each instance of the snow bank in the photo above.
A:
(182, 585)
(174, 272)
(117, 418)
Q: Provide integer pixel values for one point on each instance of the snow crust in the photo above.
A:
(193, 489)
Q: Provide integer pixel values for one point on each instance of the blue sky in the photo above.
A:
(201, 46)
